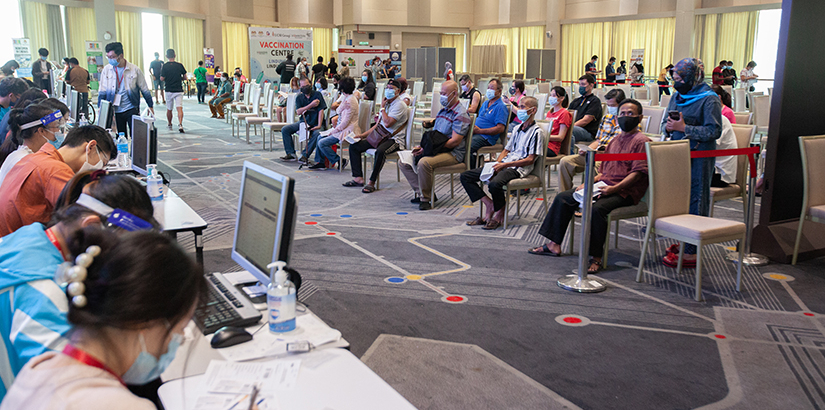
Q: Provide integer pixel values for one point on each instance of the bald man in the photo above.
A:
(444, 144)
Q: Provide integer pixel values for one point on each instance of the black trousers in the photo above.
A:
(717, 182)
(124, 120)
(663, 90)
(355, 150)
(201, 91)
(472, 184)
(564, 206)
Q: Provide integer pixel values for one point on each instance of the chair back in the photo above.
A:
(541, 98)
(668, 169)
(645, 123)
(247, 93)
(418, 88)
(728, 89)
(543, 88)
(468, 142)
(743, 118)
(655, 114)
(538, 165)
(265, 93)
(379, 94)
(435, 102)
(812, 150)
(236, 91)
(290, 108)
(483, 83)
(744, 134)
(641, 93)
(664, 101)
(256, 97)
(408, 130)
(364, 114)
(739, 100)
(761, 110)
(284, 88)
(567, 142)
(270, 99)
(530, 90)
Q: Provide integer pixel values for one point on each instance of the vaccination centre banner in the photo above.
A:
(209, 63)
(359, 56)
(268, 47)
(94, 62)
(23, 56)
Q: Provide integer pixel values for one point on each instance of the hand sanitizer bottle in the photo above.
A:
(154, 183)
(280, 298)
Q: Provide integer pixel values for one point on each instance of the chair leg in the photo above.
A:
(699, 272)
(452, 187)
(644, 253)
(798, 238)
(681, 256)
(397, 171)
(615, 236)
(518, 203)
(572, 229)
(544, 199)
(739, 268)
(606, 243)
(432, 192)
(712, 202)
(247, 132)
(506, 208)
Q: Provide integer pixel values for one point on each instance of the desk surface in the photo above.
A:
(175, 215)
(328, 379)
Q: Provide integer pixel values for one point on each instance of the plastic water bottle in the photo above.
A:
(280, 299)
(82, 122)
(154, 183)
(122, 151)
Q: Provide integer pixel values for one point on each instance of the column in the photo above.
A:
(105, 20)
(213, 30)
(683, 44)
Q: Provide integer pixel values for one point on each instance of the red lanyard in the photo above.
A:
(120, 80)
(54, 240)
(88, 360)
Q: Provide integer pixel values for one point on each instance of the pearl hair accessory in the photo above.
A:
(74, 275)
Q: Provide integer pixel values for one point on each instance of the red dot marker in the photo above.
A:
(572, 320)
(539, 199)
(330, 233)
(720, 336)
(808, 314)
(455, 298)
(311, 223)
(193, 159)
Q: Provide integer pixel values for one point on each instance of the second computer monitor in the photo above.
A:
(104, 118)
(266, 219)
(144, 144)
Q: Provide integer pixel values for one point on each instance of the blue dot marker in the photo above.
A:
(316, 215)
(395, 280)
(346, 216)
(401, 213)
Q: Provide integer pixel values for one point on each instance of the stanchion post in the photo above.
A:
(749, 258)
(581, 283)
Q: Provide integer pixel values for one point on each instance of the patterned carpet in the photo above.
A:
(374, 265)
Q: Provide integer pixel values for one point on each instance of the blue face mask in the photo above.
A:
(389, 93)
(490, 94)
(146, 367)
(522, 115)
(398, 75)
(364, 78)
(582, 90)
(58, 139)
(445, 100)
(43, 58)
(612, 110)
(113, 61)
(318, 86)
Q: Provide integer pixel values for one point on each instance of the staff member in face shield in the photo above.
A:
(30, 191)
(694, 113)
(32, 139)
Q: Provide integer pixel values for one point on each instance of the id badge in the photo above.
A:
(116, 102)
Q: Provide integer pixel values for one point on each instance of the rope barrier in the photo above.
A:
(641, 156)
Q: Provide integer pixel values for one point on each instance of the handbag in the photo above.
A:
(381, 134)
(432, 143)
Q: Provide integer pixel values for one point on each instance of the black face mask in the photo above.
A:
(682, 87)
(628, 124)
(307, 90)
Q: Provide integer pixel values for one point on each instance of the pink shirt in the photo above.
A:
(728, 113)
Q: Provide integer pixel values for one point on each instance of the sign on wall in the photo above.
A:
(94, 62)
(637, 53)
(395, 59)
(268, 47)
(209, 63)
(23, 56)
(358, 56)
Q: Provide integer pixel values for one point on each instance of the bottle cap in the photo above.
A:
(279, 276)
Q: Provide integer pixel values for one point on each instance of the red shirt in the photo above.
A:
(559, 117)
(718, 78)
(29, 192)
(613, 172)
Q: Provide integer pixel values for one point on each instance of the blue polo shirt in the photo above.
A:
(489, 117)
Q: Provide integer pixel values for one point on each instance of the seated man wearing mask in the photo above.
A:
(222, 96)
(311, 106)
(700, 121)
(491, 122)
(626, 184)
(30, 191)
(573, 164)
(452, 123)
(588, 111)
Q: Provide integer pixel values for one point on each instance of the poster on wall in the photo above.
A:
(268, 47)
(94, 62)
(209, 63)
(637, 53)
(360, 56)
(395, 59)
(23, 56)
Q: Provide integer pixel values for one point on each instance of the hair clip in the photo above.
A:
(76, 274)
(97, 174)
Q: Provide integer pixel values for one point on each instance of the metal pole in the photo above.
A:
(749, 258)
(581, 283)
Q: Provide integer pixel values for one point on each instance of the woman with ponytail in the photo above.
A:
(28, 140)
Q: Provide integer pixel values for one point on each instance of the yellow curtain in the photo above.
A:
(43, 26)
(456, 41)
(130, 34)
(185, 36)
(81, 27)
(516, 41)
(235, 46)
(529, 38)
(728, 36)
(321, 44)
(579, 42)
(655, 36)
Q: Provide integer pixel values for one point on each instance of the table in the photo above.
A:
(175, 215)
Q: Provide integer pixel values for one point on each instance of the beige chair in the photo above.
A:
(278, 126)
(365, 113)
(535, 179)
(743, 118)
(255, 111)
(239, 105)
(739, 100)
(669, 175)
(641, 93)
(456, 168)
(236, 95)
(408, 131)
(744, 134)
(494, 149)
(655, 114)
(812, 150)
(544, 88)
(761, 112)
(266, 116)
(664, 101)
(563, 151)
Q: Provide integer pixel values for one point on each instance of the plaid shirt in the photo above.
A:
(608, 129)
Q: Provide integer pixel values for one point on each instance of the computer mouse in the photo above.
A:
(229, 336)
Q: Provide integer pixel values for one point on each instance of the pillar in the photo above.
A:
(105, 20)
(683, 42)
(213, 30)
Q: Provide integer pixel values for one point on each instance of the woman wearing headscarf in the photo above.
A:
(448, 71)
(700, 121)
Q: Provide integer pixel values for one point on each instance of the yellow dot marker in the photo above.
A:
(413, 277)
(468, 206)
(778, 276)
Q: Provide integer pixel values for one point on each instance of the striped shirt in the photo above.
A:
(522, 144)
(608, 129)
(454, 120)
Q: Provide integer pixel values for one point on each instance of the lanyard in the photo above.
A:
(54, 240)
(119, 80)
(88, 360)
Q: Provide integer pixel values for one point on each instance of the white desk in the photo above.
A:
(328, 379)
(175, 216)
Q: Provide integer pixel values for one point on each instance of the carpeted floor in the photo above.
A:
(398, 282)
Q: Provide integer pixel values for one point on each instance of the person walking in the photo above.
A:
(173, 74)
(200, 82)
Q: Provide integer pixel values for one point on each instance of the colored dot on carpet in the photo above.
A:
(395, 280)
(346, 216)
(455, 298)
(316, 215)
(401, 213)
(311, 223)
(720, 336)
(572, 320)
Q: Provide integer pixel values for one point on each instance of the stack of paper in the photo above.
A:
(229, 385)
(265, 344)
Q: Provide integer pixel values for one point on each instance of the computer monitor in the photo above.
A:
(266, 220)
(69, 100)
(144, 144)
(104, 117)
(74, 107)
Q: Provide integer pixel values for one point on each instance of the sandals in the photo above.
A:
(491, 225)
(544, 250)
(477, 221)
(590, 270)
(368, 189)
(352, 184)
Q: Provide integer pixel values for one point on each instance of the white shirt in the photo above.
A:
(12, 160)
(748, 73)
(726, 166)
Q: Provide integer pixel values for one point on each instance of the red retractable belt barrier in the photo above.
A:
(750, 152)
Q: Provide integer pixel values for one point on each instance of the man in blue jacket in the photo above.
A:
(700, 121)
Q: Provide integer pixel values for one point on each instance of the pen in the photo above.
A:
(253, 397)
(238, 402)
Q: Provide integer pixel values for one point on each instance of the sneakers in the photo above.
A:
(303, 159)
(672, 260)
(169, 125)
(417, 199)
(180, 128)
(288, 157)
(318, 165)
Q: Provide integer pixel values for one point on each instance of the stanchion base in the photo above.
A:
(587, 285)
(750, 259)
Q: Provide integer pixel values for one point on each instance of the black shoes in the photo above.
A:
(417, 199)
(424, 206)
(288, 157)
(318, 165)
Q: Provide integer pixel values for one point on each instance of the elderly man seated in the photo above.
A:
(626, 184)
(491, 122)
(444, 145)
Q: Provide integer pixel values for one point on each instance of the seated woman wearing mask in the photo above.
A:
(127, 312)
(30, 191)
(34, 304)
(30, 140)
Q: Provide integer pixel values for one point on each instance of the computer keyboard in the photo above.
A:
(225, 306)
